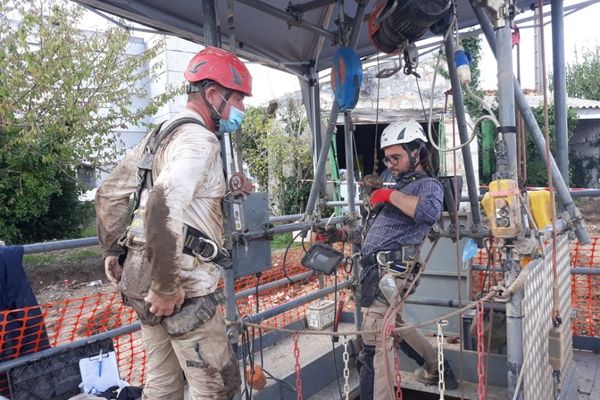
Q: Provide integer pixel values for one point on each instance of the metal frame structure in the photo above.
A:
(508, 89)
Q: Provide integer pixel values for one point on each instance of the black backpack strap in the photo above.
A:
(157, 136)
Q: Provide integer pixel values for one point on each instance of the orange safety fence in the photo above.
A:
(27, 330)
(68, 320)
(585, 289)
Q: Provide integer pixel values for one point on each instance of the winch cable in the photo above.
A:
(333, 338)
(556, 318)
(375, 152)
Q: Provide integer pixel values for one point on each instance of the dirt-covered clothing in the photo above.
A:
(188, 187)
(204, 355)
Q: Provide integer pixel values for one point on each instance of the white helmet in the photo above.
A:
(402, 132)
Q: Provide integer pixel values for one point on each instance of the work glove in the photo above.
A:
(113, 269)
(329, 233)
(381, 196)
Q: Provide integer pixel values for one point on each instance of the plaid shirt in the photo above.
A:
(392, 228)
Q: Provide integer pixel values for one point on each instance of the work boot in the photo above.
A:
(421, 375)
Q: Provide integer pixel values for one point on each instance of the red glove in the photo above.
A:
(329, 234)
(381, 196)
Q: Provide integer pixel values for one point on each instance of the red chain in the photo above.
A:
(398, 376)
(481, 387)
(298, 369)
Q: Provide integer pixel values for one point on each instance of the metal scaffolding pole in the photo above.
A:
(506, 117)
(562, 191)
(506, 94)
(459, 107)
(288, 17)
(209, 17)
(349, 149)
(315, 123)
(326, 143)
(211, 38)
(560, 88)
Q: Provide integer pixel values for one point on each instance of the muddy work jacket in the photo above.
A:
(188, 185)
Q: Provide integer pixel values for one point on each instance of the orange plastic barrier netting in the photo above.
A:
(32, 329)
(50, 325)
(585, 289)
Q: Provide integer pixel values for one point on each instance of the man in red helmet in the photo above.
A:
(165, 263)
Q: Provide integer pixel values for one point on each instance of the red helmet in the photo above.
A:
(222, 67)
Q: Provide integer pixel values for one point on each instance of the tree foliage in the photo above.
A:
(537, 173)
(277, 151)
(583, 78)
(63, 94)
(472, 44)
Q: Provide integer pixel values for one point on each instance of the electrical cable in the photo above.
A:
(333, 338)
(430, 119)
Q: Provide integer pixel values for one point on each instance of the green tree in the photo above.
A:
(63, 92)
(277, 151)
(256, 126)
(537, 173)
(583, 78)
(472, 44)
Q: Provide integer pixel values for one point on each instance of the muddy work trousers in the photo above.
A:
(204, 355)
(373, 378)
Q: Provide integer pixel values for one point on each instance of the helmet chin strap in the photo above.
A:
(411, 158)
(214, 113)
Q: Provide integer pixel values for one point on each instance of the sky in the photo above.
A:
(582, 30)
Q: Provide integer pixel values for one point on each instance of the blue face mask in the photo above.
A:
(234, 121)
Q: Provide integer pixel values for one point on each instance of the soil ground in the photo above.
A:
(71, 273)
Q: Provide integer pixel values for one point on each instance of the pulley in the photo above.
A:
(346, 78)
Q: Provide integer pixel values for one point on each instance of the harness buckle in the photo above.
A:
(201, 257)
(382, 258)
(391, 266)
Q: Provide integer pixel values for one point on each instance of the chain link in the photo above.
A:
(481, 387)
(297, 368)
(346, 358)
(398, 375)
(440, 348)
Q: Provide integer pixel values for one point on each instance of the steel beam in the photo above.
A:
(310, 5)
(459, 107)
(330, 131)
(349, 150)
(59, 245)
(559, 79)
(209, 16)
(290, 19)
